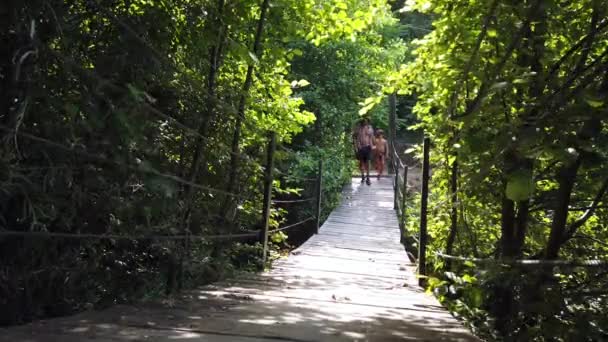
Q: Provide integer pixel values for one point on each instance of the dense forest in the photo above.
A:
(128, 123)
(513, 96)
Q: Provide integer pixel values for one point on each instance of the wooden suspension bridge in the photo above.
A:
(352, 281)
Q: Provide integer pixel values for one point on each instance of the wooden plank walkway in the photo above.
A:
(351, 282)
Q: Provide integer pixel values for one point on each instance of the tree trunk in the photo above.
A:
(8, 40)
(198, 158)
(12, 45)
(566, 179)
(530, 57)
(319, 128)
(521, 224)
(512, 241)
(507, 220)
(454, 214)
(240, 115)
(207, 117)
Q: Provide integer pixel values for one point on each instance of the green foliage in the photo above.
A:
(111, 125)
(462, 294)
(246, 257)
(520, 185)
(342, 73)
(510, 92)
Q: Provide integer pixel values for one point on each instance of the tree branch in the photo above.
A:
(587, 45)
(588, 214)
(550, 110)
(485, 86)
(603, 24)
(469, 65)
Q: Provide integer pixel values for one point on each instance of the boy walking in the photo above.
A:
(381, 152)
(364, 140)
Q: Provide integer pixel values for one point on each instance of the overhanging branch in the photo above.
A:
(485, 85)
(469, 65)
(570, 231)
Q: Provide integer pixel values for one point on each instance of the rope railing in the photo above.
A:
(527, 262)
(43, 234)
(400, 189)
(310, 199)
(290, 178)
(292, 225)
(268, 201)
(397, 162)
(302, 179)
(262, 234)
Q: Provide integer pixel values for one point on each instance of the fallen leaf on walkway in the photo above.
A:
(237, 297)
(170, 302)
(334, 297)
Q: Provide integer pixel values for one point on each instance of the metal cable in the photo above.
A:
(294, 201)
(40, 234)
(528, 262)
(291, 178)
(291, 225)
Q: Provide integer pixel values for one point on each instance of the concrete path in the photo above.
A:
(351, 282)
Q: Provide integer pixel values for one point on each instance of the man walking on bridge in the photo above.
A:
(363, 137)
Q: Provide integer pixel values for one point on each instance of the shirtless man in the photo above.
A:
(363, 137)
(381, 152)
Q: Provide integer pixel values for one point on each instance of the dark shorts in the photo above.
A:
(364, 154)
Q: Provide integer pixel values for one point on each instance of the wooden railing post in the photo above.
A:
(403, 203)
(396, 186)
(423, 213)
(267, 194)
(318, 195)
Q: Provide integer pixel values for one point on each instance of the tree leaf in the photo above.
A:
(254, 58)
(303, 83)
(520, 185)
(499, 85)
(595, 103)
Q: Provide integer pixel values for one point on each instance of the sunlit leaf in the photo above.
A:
(520, 185)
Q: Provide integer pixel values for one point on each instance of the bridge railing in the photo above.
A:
(400, 189)
(422, 240)
(267, 204)
(187, 237)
